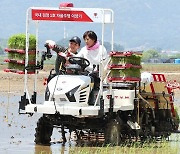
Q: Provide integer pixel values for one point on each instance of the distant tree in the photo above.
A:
(177, 55)
(116, 47)
(149, 54)
(163, 56)
(3, 44)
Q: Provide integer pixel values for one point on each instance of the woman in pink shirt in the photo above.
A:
(92, 51)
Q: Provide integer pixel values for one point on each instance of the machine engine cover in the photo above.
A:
(70, 89)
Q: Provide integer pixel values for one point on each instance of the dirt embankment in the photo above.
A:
(14, 83)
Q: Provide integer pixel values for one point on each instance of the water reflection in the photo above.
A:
(42, 149)
(53, 148)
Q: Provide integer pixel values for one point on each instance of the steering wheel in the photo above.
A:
(83, 62)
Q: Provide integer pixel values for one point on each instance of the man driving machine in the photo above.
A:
(74, 45)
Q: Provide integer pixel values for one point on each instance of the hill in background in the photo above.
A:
(138, 23)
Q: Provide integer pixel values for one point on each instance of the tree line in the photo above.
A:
(155, 54)
(3, 44)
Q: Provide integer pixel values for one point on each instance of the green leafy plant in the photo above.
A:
(131, 72)
(133, 59)
(15, 44)
(18, 41)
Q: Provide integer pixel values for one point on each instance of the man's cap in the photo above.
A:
(76, 39)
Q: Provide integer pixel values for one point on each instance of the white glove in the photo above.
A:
(50, 43)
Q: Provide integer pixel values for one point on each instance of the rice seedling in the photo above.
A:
(137, 147)
(16, 43)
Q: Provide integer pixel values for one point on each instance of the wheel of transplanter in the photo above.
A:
(143, 124)
(176, 120)
(147, 130)
(113, 132)
(43, 131)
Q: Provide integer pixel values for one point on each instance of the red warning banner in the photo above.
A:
(60, 15)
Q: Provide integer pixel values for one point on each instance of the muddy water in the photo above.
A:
(17, 130)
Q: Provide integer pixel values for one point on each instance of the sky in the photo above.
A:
(138, 23)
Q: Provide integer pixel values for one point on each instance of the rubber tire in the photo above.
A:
(43, 131)
(147, 131)
(113, 133)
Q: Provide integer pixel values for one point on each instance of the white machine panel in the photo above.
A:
(123, 99)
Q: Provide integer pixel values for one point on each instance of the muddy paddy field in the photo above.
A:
(17, 130)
